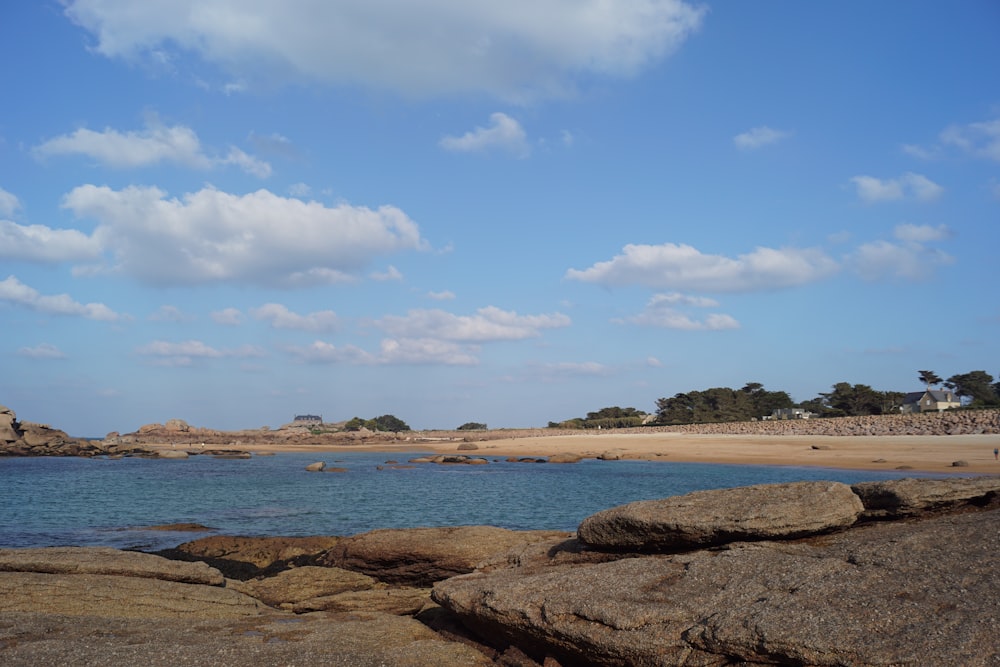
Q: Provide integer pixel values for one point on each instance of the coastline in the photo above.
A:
(924, 454)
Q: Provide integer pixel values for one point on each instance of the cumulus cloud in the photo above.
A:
(227, 317)
(488, 324)
(42, 351)
(665, 311)
(759, 137)
(518, 50)
(444, 295)
(153, 145)
(907, 186)
(503, 134)
(682, 267)
(8, 203)
(978, 139)
(185, 353)
(14, 291)
(909, 257)
(280, 317)
(38, 243)
(259, 238)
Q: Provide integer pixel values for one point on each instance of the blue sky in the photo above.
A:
(232, 212)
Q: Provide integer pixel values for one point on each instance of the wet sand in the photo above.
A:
(933, 454)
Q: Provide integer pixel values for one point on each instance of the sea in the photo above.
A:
(68, 501)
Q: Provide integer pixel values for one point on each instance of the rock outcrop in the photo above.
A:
(421, 556)
(708, 518)
(879, 593)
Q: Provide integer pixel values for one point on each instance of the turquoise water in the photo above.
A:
(101, 502)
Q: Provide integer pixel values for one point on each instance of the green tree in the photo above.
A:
(853, 400)
(929, 378)
(389, 423)
(975, 385)
(472, 426)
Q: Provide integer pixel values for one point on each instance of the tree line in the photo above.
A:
(976, 389)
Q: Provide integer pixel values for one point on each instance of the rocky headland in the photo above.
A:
(900, 572)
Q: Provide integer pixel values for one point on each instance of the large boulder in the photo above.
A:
(882, 594)
(403, 601)
(707, 518)
(107, 561)
(898, 498)
(421, 556)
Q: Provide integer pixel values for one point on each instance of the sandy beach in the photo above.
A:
(934, 454)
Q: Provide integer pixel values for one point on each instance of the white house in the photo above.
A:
(930, 400)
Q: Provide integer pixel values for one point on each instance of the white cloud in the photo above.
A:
(504, 134)
(168, 313)
(425, 351)
(391, 273)
(909, 259)
(663, 311)
(260, 238)
(907, 186)
(653, 362)
(520, 49)
(682, 267)
(488, 324)
(42, 351)
(759, 137)
(228, 317)
(299, 190)
(921, 233)
(392, 351)
(8, 203)
(156, 144)
(445, 295)
(16, 292)
(38, 243)
(281, 318)
(165, 353)
(978, 139)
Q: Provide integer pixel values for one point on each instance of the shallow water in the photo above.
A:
(102, 502)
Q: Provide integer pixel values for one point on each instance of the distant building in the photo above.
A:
(930, 400)
(308, 419)
(790, 413)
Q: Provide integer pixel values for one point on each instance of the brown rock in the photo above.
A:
(565, 458)
(316, 467)
(118, 597)
(107, 561)
(248, 557)
(401, 601)
(421, 556)
(303, 583)
(706, 518)
(312, 640)
(906, 497)
(885, 594)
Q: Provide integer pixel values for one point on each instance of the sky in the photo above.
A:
(235, 211)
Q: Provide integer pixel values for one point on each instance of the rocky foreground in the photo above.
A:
(902, 572)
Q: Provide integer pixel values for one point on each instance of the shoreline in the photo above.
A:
(923, 454)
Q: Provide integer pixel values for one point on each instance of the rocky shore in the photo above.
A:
(900, 572)
(23, 438)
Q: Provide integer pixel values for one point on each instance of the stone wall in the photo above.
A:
(953, 422)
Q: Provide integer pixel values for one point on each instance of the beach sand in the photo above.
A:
(934, 454)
